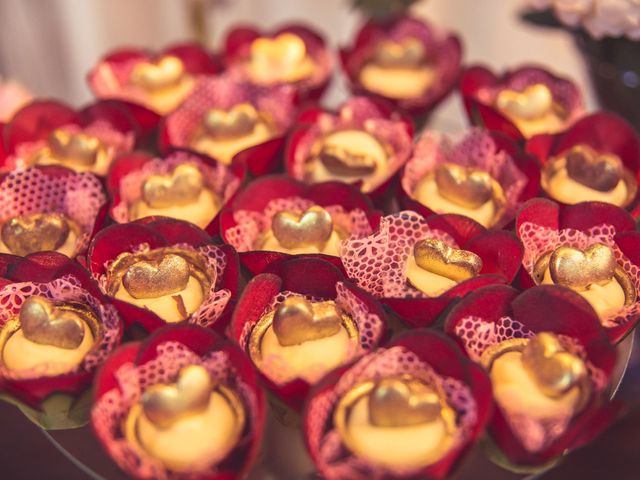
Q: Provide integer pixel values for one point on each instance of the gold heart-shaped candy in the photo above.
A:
(407, 53)
(287, 49)
(312, 228)
(400, 403)
(297, 320)
(340, 161)
(43, 321)
(181, 187)
(554, 369)
(153, 279)
(74, 148)
(35, 232)
(237, 122)
(601, 172)
(577, 269)
(533, 102)
(164, 404)
(465, 186)
(437, 257)
(167, 71)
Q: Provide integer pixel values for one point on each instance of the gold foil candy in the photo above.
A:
(35, 232)
(181, 187)
(284, 51)
(398, 403)
(465, 186)
(74, 148)
(166, 72)
(43, 322)
(297, 320)
(437, 257)
(340, 161)
(406, 53)
(578, 269)
(533, 102)
(153, 279)
(312, 228)
(236, 122)
(601, 172)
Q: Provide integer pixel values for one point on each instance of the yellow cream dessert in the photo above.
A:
(533, 110)
(435, 267)
(78, 151)
(398, 70)
(49, 336)
(396, 422)
(170, 282)
(453, 188)
(181, 194)
(300, 337)
(593, 273)
(37, 232)
(283, 59)
(581, 174)
(189, 425)
(165, 82)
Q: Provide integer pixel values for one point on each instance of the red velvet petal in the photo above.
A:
(461, 228)
(501, 252)
(196, 59)
(262, 158)
(539, 211)
(255, 298)
(36, 121)
(583, 216)
(105, 377)
(176, 231)
(307, 276)
(124, 165)
(111, 112)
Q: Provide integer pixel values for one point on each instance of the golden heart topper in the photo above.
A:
(407, 53)
(74, 148)
(601, 172)
(283, 53)
(236, 122)
(311, 228)
(577, 269)
(341, 161)
(156, 278)
(533, 102)
(437, 257)
(465, 186)
(399, 403)
(554, 370)
(181, 187)
(35, 232)
(45, 323)
(297, 320)
(164, 404)
(166, 72)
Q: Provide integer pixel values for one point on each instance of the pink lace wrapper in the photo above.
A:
(475, 149)
(224, 93)
(78, 195)
(251, 225)
(538, 240)
(218, 178)
(110, 410)
(215, 301)
(333, 458)
(65, 289)
(564, 93)
(114, 142)
(535, 434)
(378, 263)
(357, 113)
(370, 327)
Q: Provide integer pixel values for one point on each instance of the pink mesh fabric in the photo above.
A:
(475, 149)
(251, 225)
(77, 195)
(535, 434)
(539, 240)
(217, 299)
(218, 178)
(66, 289)
(378, 263)
(370, 327)
(564, 93)
(361, 114)
(115, 143)
(333, 459)
(110, 411)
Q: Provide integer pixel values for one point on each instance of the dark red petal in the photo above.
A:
(177, 231)
(257, 295)
(461, 228)
(237, 41)
(583, 216)
(195, 58)
(308, 276)
(263, 158)
(124, 165)
(36, 121)
(105, 377)
(501, 252)
(539, 211)
(260, 192)
(111, 112)
(198, 339)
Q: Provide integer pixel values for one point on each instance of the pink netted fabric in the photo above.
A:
(110, 410)
(65, 289)
(114, 142)
(78, 195)
(378, 263)
(535, 434)
(214, 302)
(361, 114)
(475, 149)
(333, 459)
(538, 240)
(217, 177)
(564, 93)
(223, 93)
(370, 327)
(252, 225)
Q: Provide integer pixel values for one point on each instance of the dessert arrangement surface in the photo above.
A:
(226, 266)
